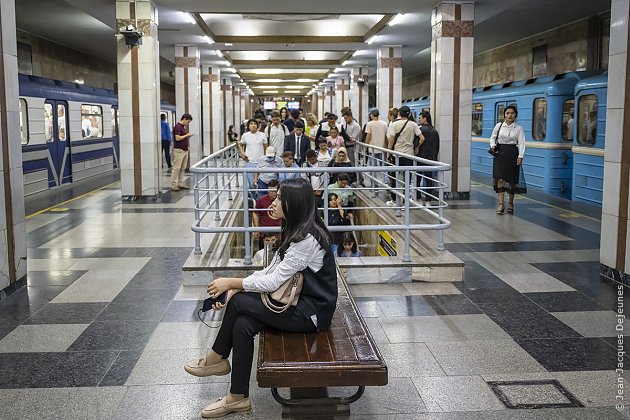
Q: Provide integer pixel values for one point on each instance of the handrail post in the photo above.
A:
(406, 256)
(229, 178)
(247, 259)
(217, 216)
(236, 163)
(440, 241)
(197, 212)
(397, 187)
(207, 178)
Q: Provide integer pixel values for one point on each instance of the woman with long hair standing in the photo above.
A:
(508, 146)
(304, 246)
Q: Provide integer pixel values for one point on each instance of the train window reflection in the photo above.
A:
(567, 119)
(62, 122)
(477, 119)
(500, 116)
(23, 121)
(539, 120)
(114, 126)
(587, 120)
(48, 123)
(91, 121)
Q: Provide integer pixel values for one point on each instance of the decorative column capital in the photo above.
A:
(453, 29)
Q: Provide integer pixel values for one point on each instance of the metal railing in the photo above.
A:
(411, 180)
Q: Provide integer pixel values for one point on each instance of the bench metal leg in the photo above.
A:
(310, 402)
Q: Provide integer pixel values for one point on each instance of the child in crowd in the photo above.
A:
(349, 247)
(324, 154)
(334, 140)
(337, 216)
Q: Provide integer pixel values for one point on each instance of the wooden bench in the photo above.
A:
(308, 364)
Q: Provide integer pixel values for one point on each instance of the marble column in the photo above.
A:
(342, 94)
(314, 98)
(359, 95)
(330, 100)
(614, 249)
(12, 222)
(212, 114)
(451, 89)
(227, 105)
(188, 94)
(321, 104)
(236, 108)
(139, 102)
(245, 105)
(388, 78)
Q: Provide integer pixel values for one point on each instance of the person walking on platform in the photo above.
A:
(304, 247)
(507, 144)
(167, 139)
(180, 152)
(428, 148)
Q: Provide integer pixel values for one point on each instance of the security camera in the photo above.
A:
(361, 82)
(132, 36)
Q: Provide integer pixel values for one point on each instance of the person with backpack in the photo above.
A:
(276, 132)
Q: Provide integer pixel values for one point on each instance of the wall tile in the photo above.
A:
(618, 27)
(608, 243)
(614, 127)
(612, 182)
(616, 77)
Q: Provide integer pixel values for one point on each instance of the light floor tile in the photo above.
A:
(535, 282)
(457, 393)
(166, 366)
(483, 357)
(376, 330)
(41, 338)
(592, 323)
(121, 263)
(96, 286)
(61, 403)
(182, 335)
(369, 290)
(431, 288)
(192, 293)
(408, 360)
(54, 264)
(398, 397)
(441, 328)
(593, 389)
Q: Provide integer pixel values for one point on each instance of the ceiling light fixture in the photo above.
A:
(208, 39)
(396, 19)
(219, 53)
(190, 18)
(292, 91)
(372, 39)
(228, 44)
(357, 52)
(338, 69)
(269, 91)
(345, 63)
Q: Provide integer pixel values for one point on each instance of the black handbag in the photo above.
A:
(495, 151)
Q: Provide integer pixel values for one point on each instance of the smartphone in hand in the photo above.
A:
(207, 304)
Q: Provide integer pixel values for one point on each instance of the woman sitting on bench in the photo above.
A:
(304, 246)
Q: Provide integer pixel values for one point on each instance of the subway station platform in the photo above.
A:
(104, 326)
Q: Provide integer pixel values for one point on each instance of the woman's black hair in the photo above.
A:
(251, 120)
(512, 107)
(427, 115)
(346, 238)
(331, 195)
(300, 215)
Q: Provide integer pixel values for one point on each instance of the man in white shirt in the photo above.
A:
(376, 135)
(276, 132)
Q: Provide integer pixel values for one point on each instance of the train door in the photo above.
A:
(58, 141)
(115, 137)
(500, 108)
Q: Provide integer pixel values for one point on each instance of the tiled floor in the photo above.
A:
(105, 325)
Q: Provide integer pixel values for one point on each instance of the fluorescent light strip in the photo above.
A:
(372, 39)
(208, 39)
(219, 53)
(397, 19)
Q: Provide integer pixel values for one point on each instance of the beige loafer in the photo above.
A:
(221, 408)
(183, 187)
(198, 367)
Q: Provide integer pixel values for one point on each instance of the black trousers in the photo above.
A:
(245, 316)
(166, 147)
(393, 175)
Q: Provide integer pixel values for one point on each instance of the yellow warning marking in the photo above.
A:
(60, 209)
(569, 215)
(69, 201)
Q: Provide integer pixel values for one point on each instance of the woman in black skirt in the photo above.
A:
(508, 144)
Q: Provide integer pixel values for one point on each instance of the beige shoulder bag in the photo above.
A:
(288, 293)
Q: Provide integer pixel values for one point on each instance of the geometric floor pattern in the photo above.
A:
(104, 326)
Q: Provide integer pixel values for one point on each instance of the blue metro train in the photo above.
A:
(564, 118)
(68, 131)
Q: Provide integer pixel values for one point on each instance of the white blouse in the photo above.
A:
(509, 134)
(299, 256)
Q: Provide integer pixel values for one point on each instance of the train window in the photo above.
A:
(587, 120)
(48, 122)
(23, 121)
(62, 122)
(114, 126)
(567, 119)
(477, 119)
(91, 121)
(500, 116)
(539, 120)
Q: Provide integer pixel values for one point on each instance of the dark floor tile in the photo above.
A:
(586, 267)
(183, 311)
(122, 311)
(121, 368)
(565, 301)
(54, 370)
(369, 307)
(67, 313)
(53, 278)
(115, 335)
(33, 295)
(452, 305)
(5, 330)
(157, 280)
(570, 354)
(405, 306)
(527, 320)
(491, 295)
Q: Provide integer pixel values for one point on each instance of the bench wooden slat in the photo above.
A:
(272, 342)
(341, 345)
(294, 346)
